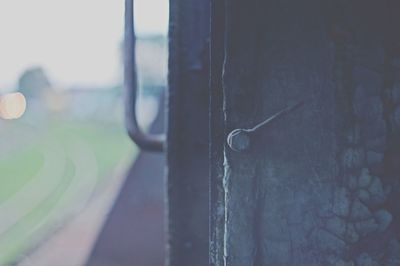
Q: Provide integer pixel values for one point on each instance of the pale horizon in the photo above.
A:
(75, 43)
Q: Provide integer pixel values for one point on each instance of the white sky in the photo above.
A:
(76, 41)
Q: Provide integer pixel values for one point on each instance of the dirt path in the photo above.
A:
(34, 193)
(36, 190)
(71, 245)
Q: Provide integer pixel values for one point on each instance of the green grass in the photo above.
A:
(17, 169)
(106, 143)
(13, 242)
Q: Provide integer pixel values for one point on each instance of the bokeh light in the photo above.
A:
(12, 105)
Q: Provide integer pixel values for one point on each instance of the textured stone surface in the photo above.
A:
(377, 144)
(383, 218)
(374, 157)
(396, 117)
(354, 135)
(353, 158)
(378, 195)
(351, 234)
(366, 260)
(365, 178)
(365, 227)
(359, 211)
(336, 226)
(396, 93)
(318, 191)
(329, 243)
(364, 195)
(341, 202)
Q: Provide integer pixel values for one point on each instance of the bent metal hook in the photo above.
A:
(145, 141)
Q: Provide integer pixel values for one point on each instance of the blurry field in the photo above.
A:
(48, 171)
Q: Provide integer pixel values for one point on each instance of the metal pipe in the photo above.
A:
(143, 140)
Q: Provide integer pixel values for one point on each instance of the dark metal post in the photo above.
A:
(187, 135)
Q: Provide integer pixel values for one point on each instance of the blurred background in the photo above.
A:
(64, 153)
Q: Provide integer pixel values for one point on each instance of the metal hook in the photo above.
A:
(240, 139)
(143, 140)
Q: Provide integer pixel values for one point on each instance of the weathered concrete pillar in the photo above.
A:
(188, 130)
(320, 185)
